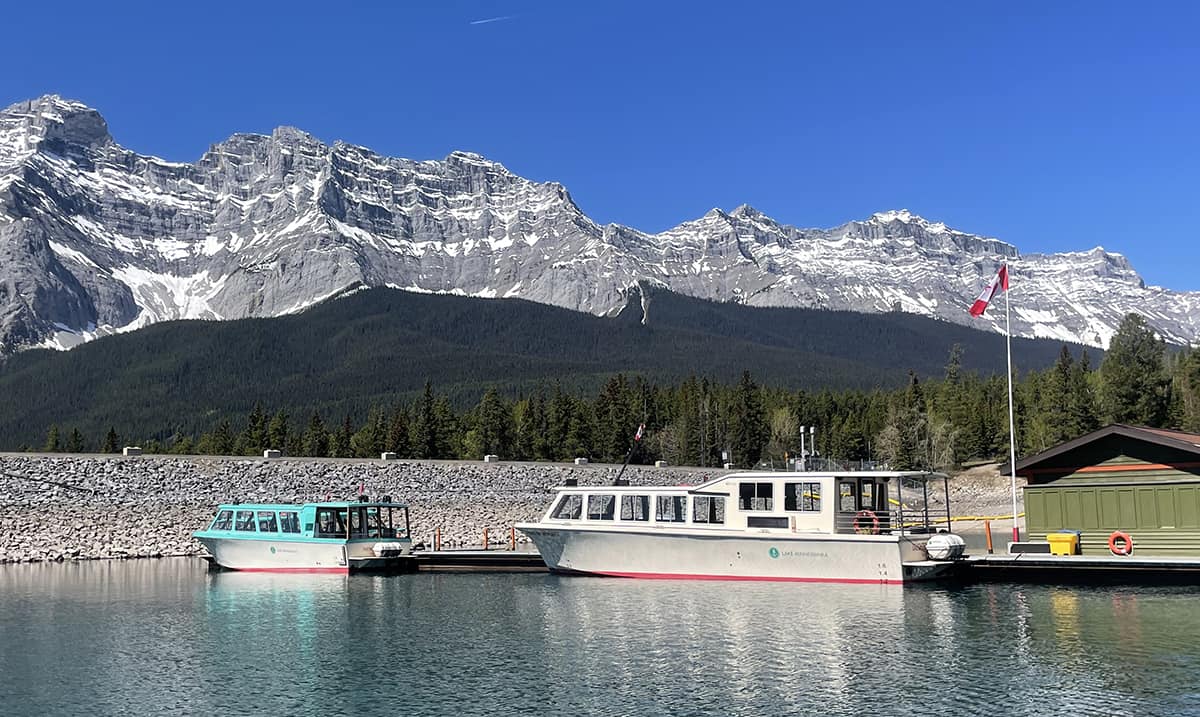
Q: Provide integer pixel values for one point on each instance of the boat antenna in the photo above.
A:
(31, 479)
(637, 438)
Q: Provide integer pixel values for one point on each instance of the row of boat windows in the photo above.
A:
(261, 521)
(667, 508)
(331, 522)
(797, 497)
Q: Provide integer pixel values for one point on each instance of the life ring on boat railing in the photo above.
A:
(1120, 543)
(860, 522)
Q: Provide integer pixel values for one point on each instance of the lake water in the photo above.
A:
(168, 637)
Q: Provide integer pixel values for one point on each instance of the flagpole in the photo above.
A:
(636, 439)
(1012, 432)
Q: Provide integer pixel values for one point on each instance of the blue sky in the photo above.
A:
(1055, 126)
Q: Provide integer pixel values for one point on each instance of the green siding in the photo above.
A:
(1163, 519)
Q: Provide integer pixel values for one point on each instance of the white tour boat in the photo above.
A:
(851, 527)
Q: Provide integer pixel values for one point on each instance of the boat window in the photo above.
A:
(223, 521)
(671, 509)
(601, 507)
(847, 497)
(756, 496)
(635, 507)
(708, 509)
(868, 493)
(267, 522)
(245, 520)
(331, 523)
(374, 523)
(289, 521)
(569, 507)
(802, 497)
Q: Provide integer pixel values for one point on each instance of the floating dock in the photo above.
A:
(1080, 569)
(507, 561)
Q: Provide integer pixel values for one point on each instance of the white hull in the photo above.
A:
(713, 554)
(296, 556)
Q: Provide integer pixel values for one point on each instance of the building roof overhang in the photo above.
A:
(1179, 440)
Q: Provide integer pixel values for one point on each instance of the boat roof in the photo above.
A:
(322, 504)
(762, 475)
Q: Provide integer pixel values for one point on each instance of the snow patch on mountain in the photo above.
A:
(95, 238)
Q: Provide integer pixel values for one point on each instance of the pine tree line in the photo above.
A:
(699, 422)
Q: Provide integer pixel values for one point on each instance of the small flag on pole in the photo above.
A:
(1000, 283)
(640, 431)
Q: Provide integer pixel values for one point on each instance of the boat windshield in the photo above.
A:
(362, 522)
(331, 523)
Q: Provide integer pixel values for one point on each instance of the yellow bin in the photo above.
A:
(1063, 543)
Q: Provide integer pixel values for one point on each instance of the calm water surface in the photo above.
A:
(167, 637)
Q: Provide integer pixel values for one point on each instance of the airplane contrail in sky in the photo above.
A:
(491, 19)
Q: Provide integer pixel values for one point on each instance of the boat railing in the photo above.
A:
(882, 522)
(865, 522)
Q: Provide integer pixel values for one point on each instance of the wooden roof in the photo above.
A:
(1187, 442)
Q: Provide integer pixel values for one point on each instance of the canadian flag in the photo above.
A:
(1000, 283)
(640, 431)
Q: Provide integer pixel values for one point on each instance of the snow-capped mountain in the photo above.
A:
(95, 238)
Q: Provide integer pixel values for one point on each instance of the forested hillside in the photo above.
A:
(375, 350)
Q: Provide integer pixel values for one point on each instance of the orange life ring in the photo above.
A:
(861, 527)
(1126, 546)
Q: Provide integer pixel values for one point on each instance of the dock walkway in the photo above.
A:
(1076, 569)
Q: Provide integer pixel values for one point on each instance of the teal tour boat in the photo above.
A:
(333, 536)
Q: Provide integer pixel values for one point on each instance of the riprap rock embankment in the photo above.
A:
(91, 507)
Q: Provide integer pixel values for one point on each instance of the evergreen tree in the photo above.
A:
(75, 441)
(1188, 380)
(339, 440)
(559, 422)
(425, 428)
(366, 439)
(316, 439)
(111, 441)
(253, 438)
(52, 444)
(748, 427)
(579, 429)
(277, 431)
(495, 424)
(1081, 396)
(218, 442)
(614, 421)
(1134, 388)
(222, 439)
(449, 431)
(397, 437)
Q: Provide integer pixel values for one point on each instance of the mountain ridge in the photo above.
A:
(96, 239)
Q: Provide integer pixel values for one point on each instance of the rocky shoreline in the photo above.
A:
(90, 507)
(55, 508)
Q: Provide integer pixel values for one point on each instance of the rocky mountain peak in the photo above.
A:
(95, 238)
(54, 124)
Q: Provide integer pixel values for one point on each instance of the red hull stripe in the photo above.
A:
(757, 578)
(292, 570)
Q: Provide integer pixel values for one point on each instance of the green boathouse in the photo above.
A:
(1144, 482)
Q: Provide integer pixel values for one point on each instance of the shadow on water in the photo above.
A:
(159, 637)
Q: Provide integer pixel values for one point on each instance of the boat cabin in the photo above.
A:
(867, 502)
(339, 520)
